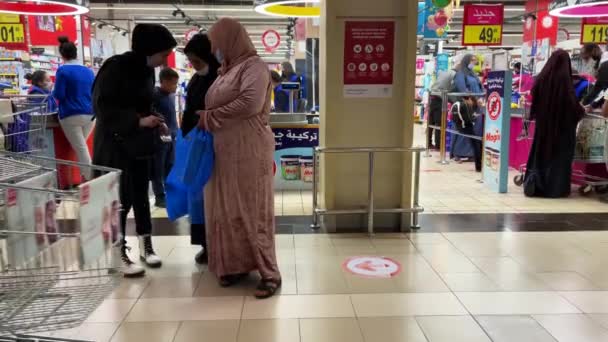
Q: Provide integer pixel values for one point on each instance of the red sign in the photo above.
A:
(372, 266)
(594, 30)
(86, 31)
(12, 32)
(45, 29)
(11, 197)
(85, 194)
(369, 58)
(482, 24)
(494, 106)
(271, 40)
(544, 26)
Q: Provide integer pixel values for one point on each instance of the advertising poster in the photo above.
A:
(594, 30)
(98, 216)
(482, 24)
(436, 21)
(496, 132)
(544, 26)
(31, 212)
(293, 157)
(421, 19)
(369, 59)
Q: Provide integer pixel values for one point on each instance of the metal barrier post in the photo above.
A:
(428, 134)
(415, 222)
(444, 125)
(370, 195)
(315, 216)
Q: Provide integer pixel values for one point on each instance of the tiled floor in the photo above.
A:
(453, 287)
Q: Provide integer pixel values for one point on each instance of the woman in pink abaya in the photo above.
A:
(239, 198)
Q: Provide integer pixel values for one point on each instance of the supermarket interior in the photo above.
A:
(436, 177)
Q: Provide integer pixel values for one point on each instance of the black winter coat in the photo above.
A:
(122, 93)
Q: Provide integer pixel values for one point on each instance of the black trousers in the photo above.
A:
(434, 118)
(468, 129)
(134, 183)
(198, 235)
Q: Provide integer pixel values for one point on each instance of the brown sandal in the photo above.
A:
(267, 288)
(232, 279)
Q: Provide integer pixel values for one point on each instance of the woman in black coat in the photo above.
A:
(127, 129)
(198, 51)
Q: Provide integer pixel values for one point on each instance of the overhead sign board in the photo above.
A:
(482, 24)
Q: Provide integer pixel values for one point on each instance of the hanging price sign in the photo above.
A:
(11, 33)
(594, 30)
(482, 24)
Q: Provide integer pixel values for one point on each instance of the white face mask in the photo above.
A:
(204, 71)
(219, 56)
(471, 66)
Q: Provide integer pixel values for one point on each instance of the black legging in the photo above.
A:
(468, 130)
(434, 119)
(134, 183)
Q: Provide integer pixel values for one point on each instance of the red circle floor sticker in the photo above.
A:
(372, 266)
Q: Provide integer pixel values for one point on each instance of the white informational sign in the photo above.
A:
(372, 266)
(98, 216)
(26, 211)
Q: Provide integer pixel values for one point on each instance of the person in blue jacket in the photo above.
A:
(281, 97)
(465, 81)
(41, 86)
(73, 87)
(289, 75)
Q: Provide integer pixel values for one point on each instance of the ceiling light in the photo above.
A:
(578, 8)
(44, 7)
(289, 8)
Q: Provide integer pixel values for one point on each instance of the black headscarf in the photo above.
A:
(200, 46)
(148, 39)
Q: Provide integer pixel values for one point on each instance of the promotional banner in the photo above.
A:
(369, 59)
(437, 19)
(538, 23)
(98, 216)
(482, 24)
(497, 131)
(12, 32)
(30, 212)
(45, 29)
(293, 157)
(421, 19)
(594, 30)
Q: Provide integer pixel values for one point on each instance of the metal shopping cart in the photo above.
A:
(591, 148)
(57, 263)
(23, 123)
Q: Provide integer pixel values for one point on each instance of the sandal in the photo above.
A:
(267, 288)
(232, 279)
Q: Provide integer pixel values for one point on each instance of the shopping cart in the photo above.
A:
(23, 123)
(57, 260)
(591, 148)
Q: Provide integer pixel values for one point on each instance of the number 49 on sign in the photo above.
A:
(482, 35)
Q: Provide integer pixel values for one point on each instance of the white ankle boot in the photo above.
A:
(127, 267)
(146, 252)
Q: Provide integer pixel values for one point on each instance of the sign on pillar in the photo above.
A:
(496, 132)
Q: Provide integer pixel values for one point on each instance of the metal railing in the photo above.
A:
(444, 123)
(371, 209)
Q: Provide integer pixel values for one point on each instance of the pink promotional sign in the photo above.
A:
(369, 58)
(482, 14)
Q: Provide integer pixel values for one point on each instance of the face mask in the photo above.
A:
(204, 71)
(219, 56)
(471, 66)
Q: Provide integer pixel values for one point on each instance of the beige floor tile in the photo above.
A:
(406, 304)
(272, 330)
(588, 301)
(515, 303)
(172, 270)
(98, 332)
(186, 309)
(514, 329)
(572, 328)
(130, 288)
(469, 282)
(391, 329)
(212, 331)
(111, 311)
(301, 306)
(566, 281)
(146, 332)
(426, 238)
(324, 278)
(452, 329)
(171, 287)
(601, 319)
(208, 286)
(330, 330)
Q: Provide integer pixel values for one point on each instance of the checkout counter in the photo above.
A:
(295, 136)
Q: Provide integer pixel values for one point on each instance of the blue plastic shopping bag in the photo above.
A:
(191, 170)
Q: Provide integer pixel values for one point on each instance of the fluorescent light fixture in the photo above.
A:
(44, 7)
(289, 8)
(578, 8)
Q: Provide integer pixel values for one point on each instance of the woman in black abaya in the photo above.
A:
(557, 113)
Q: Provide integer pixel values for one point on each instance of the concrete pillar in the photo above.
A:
(366, 122)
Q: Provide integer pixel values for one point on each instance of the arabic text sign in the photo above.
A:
(594, 30)
(285, 138)
(372, 266)
(482, 24)
(497, 128)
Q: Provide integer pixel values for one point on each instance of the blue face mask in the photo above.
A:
(471, 66)
(219, 56)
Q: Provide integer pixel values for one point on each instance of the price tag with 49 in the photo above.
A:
(12, 33)
(482, 35)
